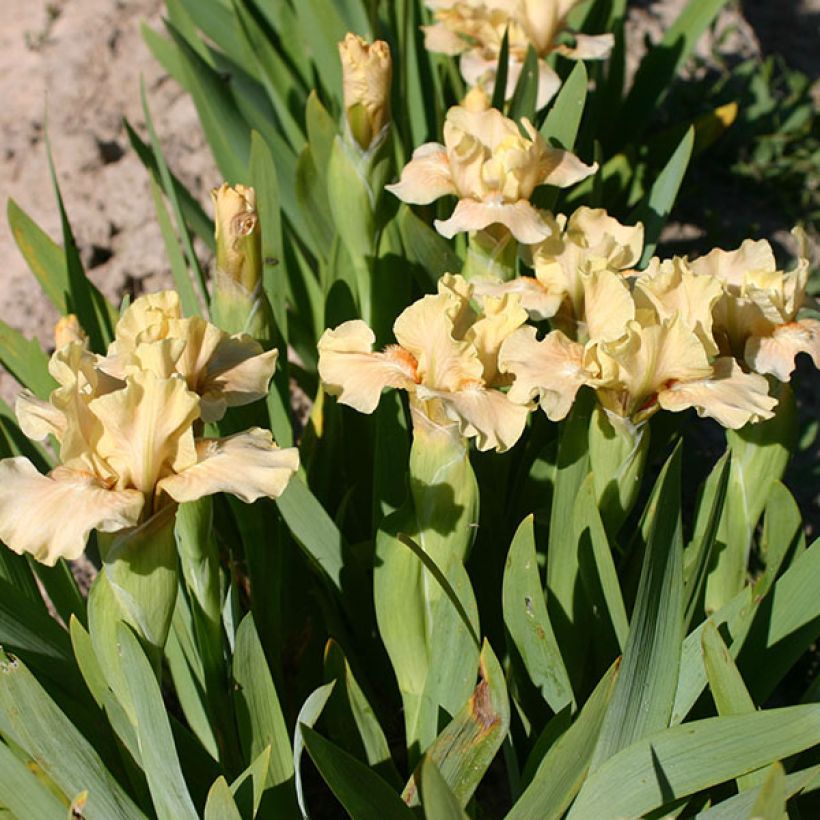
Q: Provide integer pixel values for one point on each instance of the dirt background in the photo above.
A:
(80, 62)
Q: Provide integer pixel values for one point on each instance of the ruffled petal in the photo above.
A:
(38, 419)
(733, 267)
(426, 178)
(147, 430)
(608, 305)
(481, 413)
(248, 465)
(351, 371)
(146, 317)
(551, 370)
(563, 168)
(521, 218)
(440, 39)
(50, 517)
(775, 354)
(500, 317)
(538, 302)
(728, 395)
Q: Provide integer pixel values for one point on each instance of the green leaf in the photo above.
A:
(249, 787)
(220, 804)
(645, 692)
(564, 767)
(465, 749)
(22, 793)
(657, 205)
(92, 310)
(32, 720)
(685, 759)
(783, 533)
(224, 126)
(697, 555)
(430, 253)
(308, 715)
(771, 799)
(597, 568)
(525, 96)
(200, 223)
(169, 791)
(259, 715)
(502, 70)
(742, 805)
(564, 118)
(358, 788)
(313, 530)
(658, 68)
(437, 799)
(26, 361)
(526, 619)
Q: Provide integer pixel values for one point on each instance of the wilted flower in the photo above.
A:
(366, 73)
(446, 358)
(492, 169)
(569, 285)
(475, 30)
(756, 318)
(127, 445)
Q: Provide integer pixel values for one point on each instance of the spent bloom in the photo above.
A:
(493, 169)
(446, 358)
(474, 29)
(127, 441)
(367, 71)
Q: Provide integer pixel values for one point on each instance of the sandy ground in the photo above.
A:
(81, 62)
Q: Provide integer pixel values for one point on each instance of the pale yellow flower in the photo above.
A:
(446, 357)
(756, 318)
(656, 364)
(475, 30)
(127, 446)
(225, 371)
(493, 170)
(578, 280)
(366, 74)
(67, 330)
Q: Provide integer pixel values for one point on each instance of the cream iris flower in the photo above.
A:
(475, 30)
(127, 447)
(225, 371)
(756, 318)
(446, 357)
(493, 170)
(656, 362)
(569, 286)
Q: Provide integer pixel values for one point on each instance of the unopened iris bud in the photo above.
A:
(238, 302)
(367, 71)
(68, 330)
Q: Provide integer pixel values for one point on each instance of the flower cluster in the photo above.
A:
(475, 30)
(125, 424)
(680, 334)
(493, 169)
(446, 357)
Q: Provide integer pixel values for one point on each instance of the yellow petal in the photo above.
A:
(426, 331)
(426, 177)
(443, 40)
(486, 414)
(147, 429)
(38, 419)
(548, 84)
(534, 298)
(733, 267)
(351, 371)
(147, 317)
(775, 354)
(671, 288)
(50, 517)
(248, 465)
(499, 318)
(728, 395)
(521, 218)
(550, 370)
(603, 236)
(608, 306)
